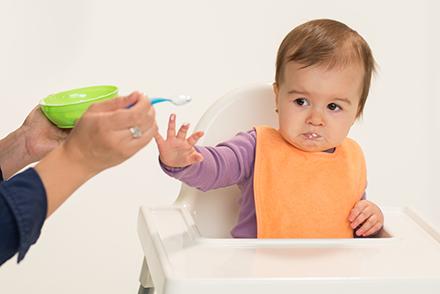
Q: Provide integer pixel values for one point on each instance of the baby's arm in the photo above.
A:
(206, 168)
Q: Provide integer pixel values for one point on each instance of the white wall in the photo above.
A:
(431, 204)
(203, 49)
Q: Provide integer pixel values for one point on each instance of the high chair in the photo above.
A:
(188, 247)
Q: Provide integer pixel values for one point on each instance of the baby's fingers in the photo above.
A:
(192, 140)
(374, 229)
(361, 218)
(367, 225)
(357, 209)
(159, 139)
(181, 134)
(171, 131)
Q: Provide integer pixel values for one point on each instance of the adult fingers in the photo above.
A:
(116, 103)
(135, 144)
(141, 115)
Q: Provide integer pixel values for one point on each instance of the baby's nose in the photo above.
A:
(316, 119)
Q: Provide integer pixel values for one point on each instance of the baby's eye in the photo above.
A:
(334, 107)
(301, 101)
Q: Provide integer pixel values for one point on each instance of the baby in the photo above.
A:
(306, 179)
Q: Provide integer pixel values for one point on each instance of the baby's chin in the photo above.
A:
(308, 146)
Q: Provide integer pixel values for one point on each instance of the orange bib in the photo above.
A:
(302, 194)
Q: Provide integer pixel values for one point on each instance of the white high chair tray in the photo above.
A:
(180, 260)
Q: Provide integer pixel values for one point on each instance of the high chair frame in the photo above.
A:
(188, 248)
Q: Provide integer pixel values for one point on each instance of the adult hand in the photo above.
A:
(40, 135)
(102, 138)
(32, 141)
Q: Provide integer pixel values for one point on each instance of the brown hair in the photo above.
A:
(326, 42)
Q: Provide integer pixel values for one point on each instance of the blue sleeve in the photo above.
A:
(23, 209)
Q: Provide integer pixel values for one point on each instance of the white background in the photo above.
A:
(203, 49)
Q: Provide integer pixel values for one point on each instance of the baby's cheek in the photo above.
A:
(289, 133)
(284, 133)
(337, 137)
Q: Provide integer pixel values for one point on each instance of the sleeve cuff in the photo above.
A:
(172, 171)
(26, 197)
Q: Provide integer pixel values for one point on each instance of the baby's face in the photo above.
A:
(317, 106)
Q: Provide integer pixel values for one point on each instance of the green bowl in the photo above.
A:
(65, 108)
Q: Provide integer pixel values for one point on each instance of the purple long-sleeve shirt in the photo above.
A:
(228, 163)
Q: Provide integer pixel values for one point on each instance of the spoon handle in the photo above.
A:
(158, 100)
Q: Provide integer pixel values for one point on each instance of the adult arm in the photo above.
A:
(23, 209)
(100, 140)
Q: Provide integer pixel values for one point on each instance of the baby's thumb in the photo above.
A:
(196, 157)
(159, 139)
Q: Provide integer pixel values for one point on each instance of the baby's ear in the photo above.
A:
(276, 92)
(275, 88)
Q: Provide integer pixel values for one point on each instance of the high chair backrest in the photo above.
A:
(216, 212)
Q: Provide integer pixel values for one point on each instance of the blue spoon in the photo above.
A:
(179, 100)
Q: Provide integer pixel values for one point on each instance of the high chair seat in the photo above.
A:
(188, 248)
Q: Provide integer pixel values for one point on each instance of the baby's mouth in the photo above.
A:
(311, 136)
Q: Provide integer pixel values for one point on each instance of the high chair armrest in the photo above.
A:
(182, 261)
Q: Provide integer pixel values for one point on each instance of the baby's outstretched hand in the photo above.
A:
(368, 215)
(177, 150)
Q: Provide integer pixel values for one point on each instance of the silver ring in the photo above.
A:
(135, 132)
